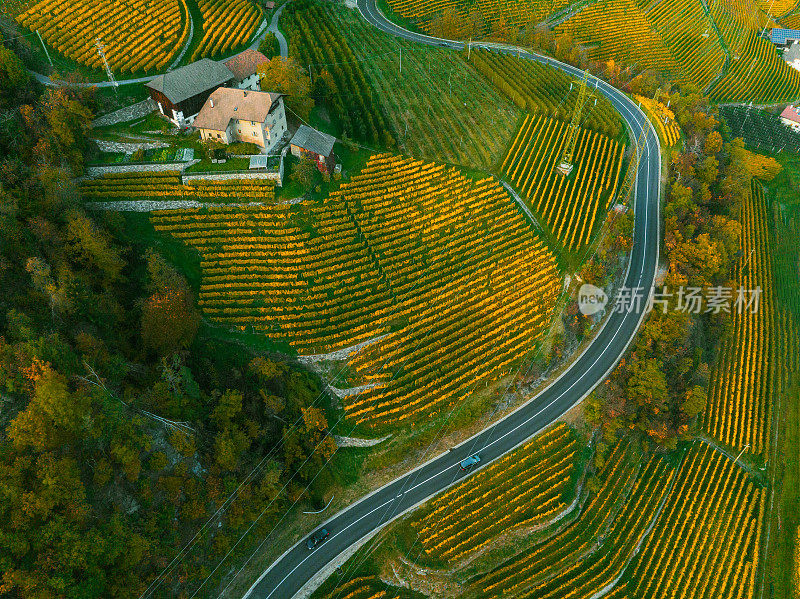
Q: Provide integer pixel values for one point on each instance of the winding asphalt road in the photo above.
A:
(297, 565)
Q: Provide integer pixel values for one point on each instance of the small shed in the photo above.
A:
(315, 145)
(258, 161)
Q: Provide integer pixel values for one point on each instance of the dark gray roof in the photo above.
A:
(313, 140)
(185, 82)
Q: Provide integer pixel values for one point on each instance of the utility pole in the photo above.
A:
(50, 60)
(401, 60)
(101, 51)
(469, 48)
(310, 76)
(633, 169)
(565, 166)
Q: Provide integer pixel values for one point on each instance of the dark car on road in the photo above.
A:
(469, 462)
(317, 538)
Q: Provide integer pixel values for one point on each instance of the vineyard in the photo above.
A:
(645, 529)
(541, 89)
(460, 118)
(758, 72)
(367, 587)
(664, 118)
(445, 268)
(167, 185)
(760, 129)
(525, 487)
(706, 540)
(787, 260)
(719, 50)
(617, 29)
(316, 42)
(569, 206)
(227, 24)
(476, 18)
(740, 393)
(138, 35)
(594, 548)
(776, 8)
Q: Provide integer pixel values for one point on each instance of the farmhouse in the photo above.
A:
(791, 118)
(316, 145)
(180, 94)
(231, 115)
(244, 67)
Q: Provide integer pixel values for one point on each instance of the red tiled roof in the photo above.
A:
(245, 63)
(790, 114)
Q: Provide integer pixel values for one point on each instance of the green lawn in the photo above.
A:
(232, 164)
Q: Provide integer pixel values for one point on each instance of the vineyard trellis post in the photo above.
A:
(565, 166)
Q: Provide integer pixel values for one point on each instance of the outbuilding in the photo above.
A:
(315, 145)
(180, 94)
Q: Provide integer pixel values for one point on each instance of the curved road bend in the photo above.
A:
(294, 568)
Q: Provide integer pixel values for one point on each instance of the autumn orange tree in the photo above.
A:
(122, 426)
(662, 385)
(286, 76)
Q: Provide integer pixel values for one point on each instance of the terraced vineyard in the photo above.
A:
(368, 587)
(167, 185)
(227, 24)
(594, 548)
(707, 539)
(451, 121)
(739, 397)
(571, 206)
(138, 35)
(673, 36)
(525, 487)
(542, 89)
(445, 267)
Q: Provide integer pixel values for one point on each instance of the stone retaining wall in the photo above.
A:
(152, 205)
(99, 171)
(129, 113)
(128, 147)
(276, 176)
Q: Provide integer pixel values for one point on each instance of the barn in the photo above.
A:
(180, 94)
(316, 145)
